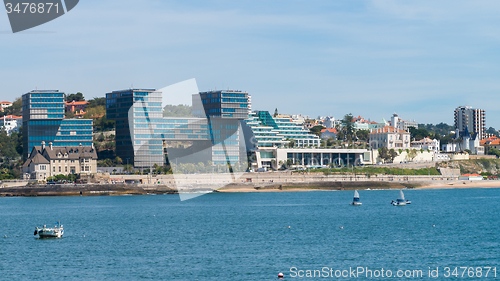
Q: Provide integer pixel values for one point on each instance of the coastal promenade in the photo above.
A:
(242, 182)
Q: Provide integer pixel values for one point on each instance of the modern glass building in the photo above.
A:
(278, 132)
(138, 118)
(43, 120)
(142, 132)
(222, 104)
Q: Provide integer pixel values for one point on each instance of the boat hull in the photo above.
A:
(49, 233)
(356, 204)
(399, 204)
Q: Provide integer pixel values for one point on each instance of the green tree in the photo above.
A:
(75, 97)
(118, 160)
(363, 135)
(392, 154)
(383, 153)
(348, 127)
(411, 154)
(317, 130)
(275, 112)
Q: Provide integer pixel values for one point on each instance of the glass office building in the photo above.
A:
(137, 114)
(271, 131)
(43, 120)
(142, 132)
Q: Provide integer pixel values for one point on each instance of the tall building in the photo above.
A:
(142, 133)
(472, 119)
(146, 125)
(43, 121)
(223, 104)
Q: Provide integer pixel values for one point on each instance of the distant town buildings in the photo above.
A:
(43, 121)
(401, 124)
(11, 123)
(4, 105)
(470, 119)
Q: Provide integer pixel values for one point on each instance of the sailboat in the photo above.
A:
(400, 201)
(355, 200)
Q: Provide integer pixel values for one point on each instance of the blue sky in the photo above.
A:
(420, 59)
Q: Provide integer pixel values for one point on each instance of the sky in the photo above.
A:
(420, 59)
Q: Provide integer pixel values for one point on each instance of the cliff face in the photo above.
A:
(488, 166)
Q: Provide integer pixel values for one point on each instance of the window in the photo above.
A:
(54, 169)
(59, 168)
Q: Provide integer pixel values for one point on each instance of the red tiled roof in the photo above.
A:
(12, 117)
(77, 102)
(488, 140)
(471, 175)
(329, 130)
(5, 102)
(388, 129)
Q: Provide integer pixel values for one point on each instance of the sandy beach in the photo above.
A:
(463, 184)
(421, 185)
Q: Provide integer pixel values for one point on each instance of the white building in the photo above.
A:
(401, 124)
(427, 144)
(11, 123)
(390, 137)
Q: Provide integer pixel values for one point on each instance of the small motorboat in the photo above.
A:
(400, 201)
(355, 200)
(56, 232)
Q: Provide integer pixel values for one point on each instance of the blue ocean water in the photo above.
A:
(245, 236)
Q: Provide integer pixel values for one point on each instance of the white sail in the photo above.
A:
(356, 194)
(401, 196)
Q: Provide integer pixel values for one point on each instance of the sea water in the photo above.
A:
(253, 236)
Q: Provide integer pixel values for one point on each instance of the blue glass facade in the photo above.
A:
(43, 120)
(141, 130)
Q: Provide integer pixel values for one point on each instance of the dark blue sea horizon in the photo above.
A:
(245, 236)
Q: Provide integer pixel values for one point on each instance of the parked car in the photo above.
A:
(51, 182)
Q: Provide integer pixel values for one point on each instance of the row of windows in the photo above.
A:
(47, 95)
(42, 105)
(232, 95)
(55, 116)
(58, 138)
(147, 109)
(55, 110)
(76, 127)
(234, 100)
(143, 94)
(214, 110)
(228, 110)
(61, 144)
(47, 100)
(141, 99)
(67, 133)
(61, 122)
